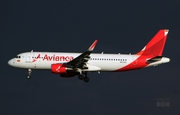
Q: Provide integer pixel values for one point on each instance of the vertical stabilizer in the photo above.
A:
(155, 46)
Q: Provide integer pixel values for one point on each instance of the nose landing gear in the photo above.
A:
(29, 73)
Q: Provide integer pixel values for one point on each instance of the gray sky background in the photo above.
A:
(71, 26)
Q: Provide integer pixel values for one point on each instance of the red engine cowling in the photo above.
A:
(58, 68)
(62, 70)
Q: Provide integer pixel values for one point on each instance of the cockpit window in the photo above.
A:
(18, 57)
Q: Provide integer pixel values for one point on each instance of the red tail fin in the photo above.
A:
(156, 45)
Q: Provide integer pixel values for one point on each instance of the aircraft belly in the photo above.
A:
(40, 65)
(92, 68)
(37, 65)
(109, 66)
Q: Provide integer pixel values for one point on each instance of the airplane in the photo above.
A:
(71, 64)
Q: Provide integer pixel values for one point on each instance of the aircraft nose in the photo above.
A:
(10, 62)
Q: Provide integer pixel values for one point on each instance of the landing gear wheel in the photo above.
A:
(81, 77)
(29, 73)
(28, 77)
(86, 79)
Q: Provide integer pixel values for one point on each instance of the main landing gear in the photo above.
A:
(29, 73)
(83, 77)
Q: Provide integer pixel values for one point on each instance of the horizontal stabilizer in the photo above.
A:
(155, 59)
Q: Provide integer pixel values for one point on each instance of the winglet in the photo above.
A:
(93, 45)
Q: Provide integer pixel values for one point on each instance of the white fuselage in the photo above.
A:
(97, 62)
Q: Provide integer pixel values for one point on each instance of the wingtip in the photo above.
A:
(93, 45)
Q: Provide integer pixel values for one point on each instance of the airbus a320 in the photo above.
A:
(71, 64)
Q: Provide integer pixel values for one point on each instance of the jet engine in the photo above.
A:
(58, 68)
(62, 70)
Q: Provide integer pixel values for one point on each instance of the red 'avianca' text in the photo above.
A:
(57, 58)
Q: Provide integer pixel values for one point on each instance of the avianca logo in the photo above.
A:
(58, 69)
(54, 58)
(36, 58)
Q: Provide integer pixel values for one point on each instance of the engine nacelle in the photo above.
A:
(58, 68)
(62, 70)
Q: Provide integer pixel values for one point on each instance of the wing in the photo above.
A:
(81, 60)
